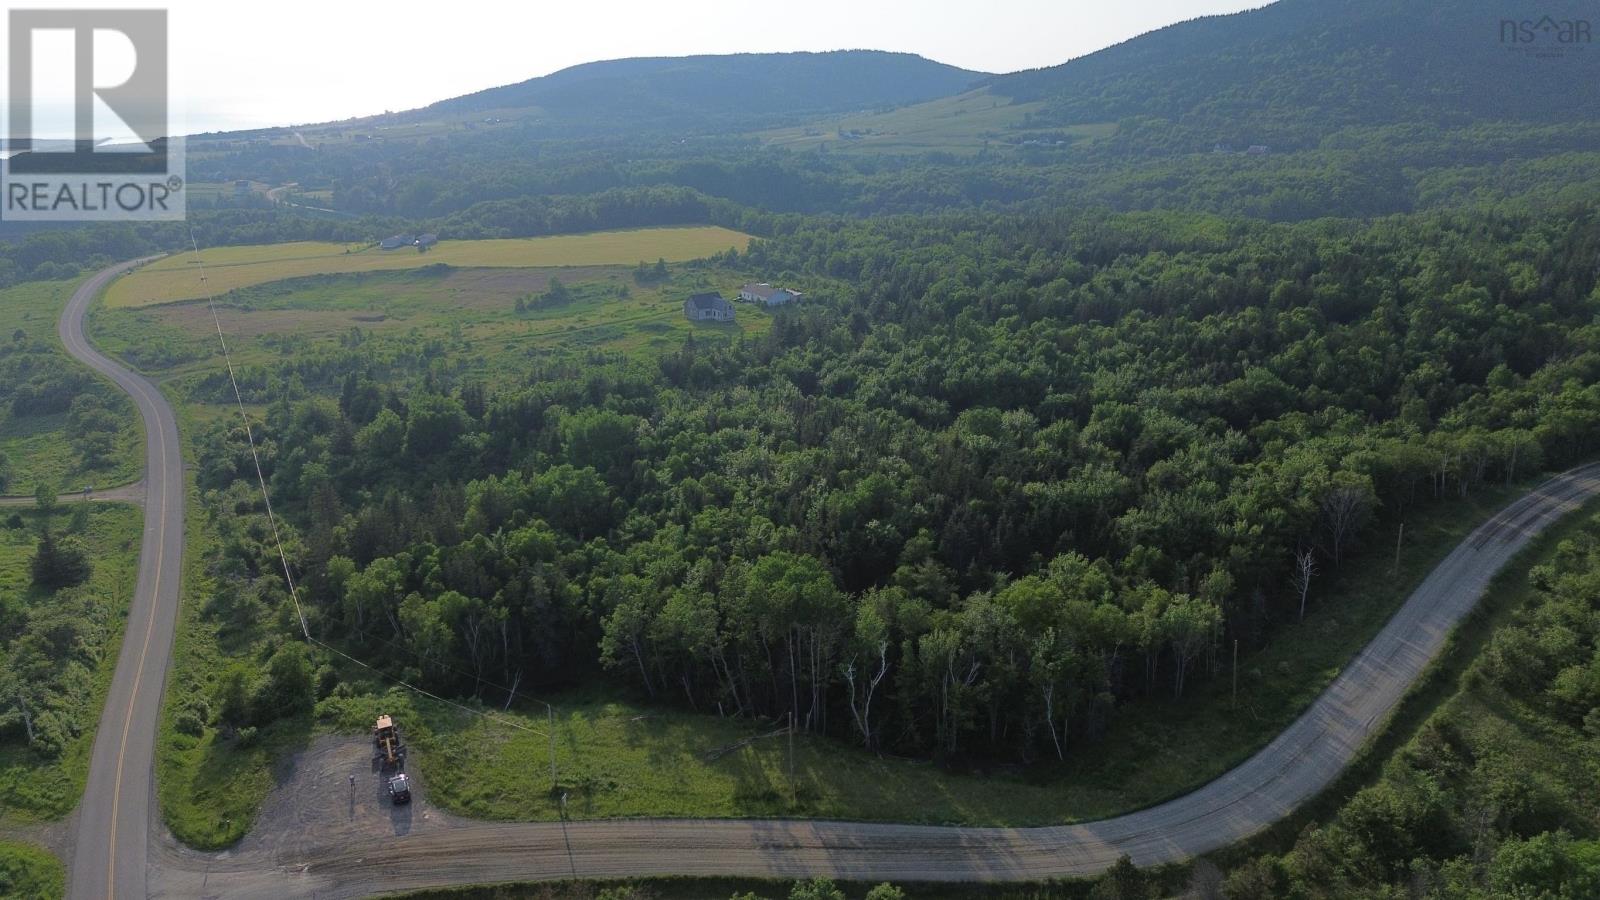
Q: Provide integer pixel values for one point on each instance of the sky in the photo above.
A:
(248, 65)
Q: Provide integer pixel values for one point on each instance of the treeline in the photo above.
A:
(1015, 473)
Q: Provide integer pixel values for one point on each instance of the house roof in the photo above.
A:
(708, 301)
(762, 290)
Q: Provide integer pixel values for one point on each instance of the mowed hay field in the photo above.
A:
(229, 268)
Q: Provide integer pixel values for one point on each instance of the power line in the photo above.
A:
(277, 538)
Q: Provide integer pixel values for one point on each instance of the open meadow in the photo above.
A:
(491, 319)
(230, 268)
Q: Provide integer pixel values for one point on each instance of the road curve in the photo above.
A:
(323, 848)
(331, 852)
(111, 843)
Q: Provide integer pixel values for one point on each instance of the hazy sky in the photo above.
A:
(241, 65)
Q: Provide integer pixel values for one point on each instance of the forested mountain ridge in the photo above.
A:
(1291, 73)
(686, 93)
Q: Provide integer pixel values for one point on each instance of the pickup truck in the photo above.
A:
(400, 789)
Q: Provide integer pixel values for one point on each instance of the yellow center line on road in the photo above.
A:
(144, 650)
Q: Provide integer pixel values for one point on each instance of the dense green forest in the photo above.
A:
(1018, 472)
(1058, 424)
(1294, 72)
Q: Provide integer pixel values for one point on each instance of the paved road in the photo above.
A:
(321, 848)
(114, 819)
(309, 844)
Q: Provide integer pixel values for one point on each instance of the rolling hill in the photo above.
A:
(1287, 75)
(697, 89)
(1290, 73)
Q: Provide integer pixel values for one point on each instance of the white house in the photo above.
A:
(708, 308)
(767, 294)
(753, 293)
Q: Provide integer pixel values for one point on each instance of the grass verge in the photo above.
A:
(210, 788)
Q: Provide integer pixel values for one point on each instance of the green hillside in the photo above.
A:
(1291, 73)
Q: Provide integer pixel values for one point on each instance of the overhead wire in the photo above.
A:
(277, 537)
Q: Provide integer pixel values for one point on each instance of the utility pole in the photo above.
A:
(1397, 538)
(553, 781)
(794, 793)
(1235, 701)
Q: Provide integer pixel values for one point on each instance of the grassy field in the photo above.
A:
(32, 787)
(965, 123)
(624, 759)
(39, 448)
(229, 268)
(40, 452)
(30, 873)
(475, 310)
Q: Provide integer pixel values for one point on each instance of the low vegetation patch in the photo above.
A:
(30, 873)
(60, 424)
(231, 717)
(58, 648)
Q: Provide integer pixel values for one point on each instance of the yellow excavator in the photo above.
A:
(387, 750)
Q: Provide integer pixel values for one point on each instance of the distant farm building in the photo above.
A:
(767, 294)
(707, 308)
(1258, 150)
(397, 241)
(241, 188)
(424, 241)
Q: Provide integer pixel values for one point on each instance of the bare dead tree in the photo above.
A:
(1305, 568)
(1344, 508)
(863, 710)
